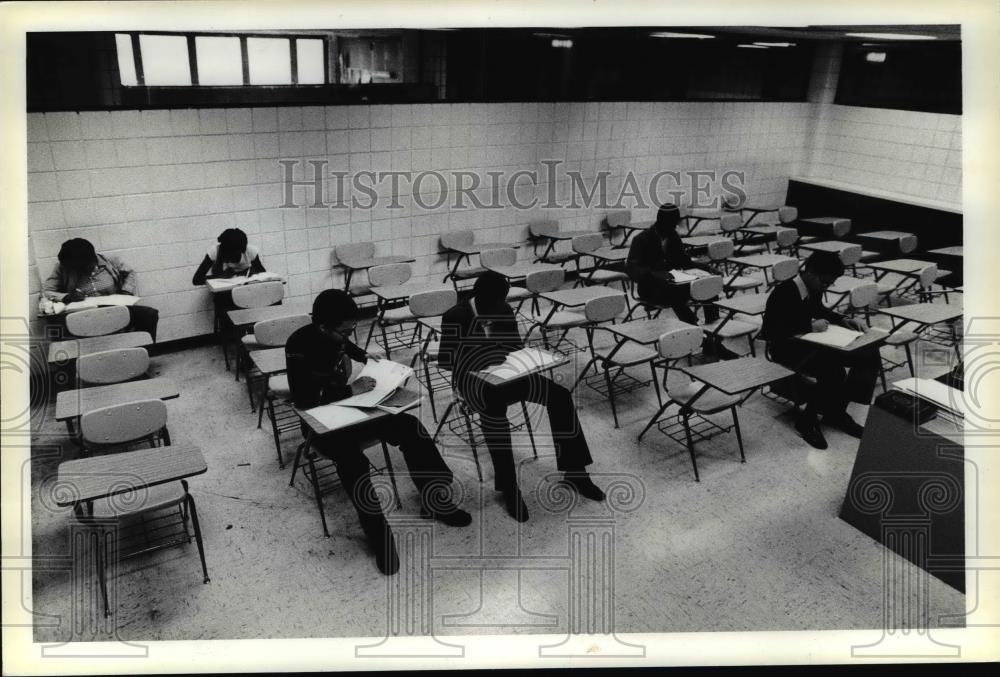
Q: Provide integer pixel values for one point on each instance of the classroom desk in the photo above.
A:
(576, 297)
(762, 261)
(71, 404)
(907, 268)
(824, 226)
(884, 235)
(464, 251)
(925, 315)
(71, 349)
(695, 215)
(220, 284)
(559, 236)
(364, 264)
(402, 292)
(609, 254)
(247, 317)
(98, 477)
(630, 229)
(269, 361)
(519, 271)
(743, 304)
(739, 377)
(700, 241)
(314, 427)
(555, 360)
(872, 337)
(948, 251)
(829, 246)
(647, 332)
(756, 209)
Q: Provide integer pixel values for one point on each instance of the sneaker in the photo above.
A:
(515, 505)
(453, 516)
(844, 423)
(584, 485)
(811, 434)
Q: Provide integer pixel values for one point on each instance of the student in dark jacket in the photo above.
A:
(481, 332)
(653, 254)
(316, 375)
(796, 307)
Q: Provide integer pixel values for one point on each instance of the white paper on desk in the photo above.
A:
(835, 335)
(97, 301)
(237, 280)
(335, 416)
(521, 362)
(388, 376)
(944, 396)
(681, 276)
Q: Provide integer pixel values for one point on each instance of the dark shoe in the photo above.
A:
(810, 433)
(584, 485)
(844, 423)
(453, 516)
(515, 505)
(386, 557)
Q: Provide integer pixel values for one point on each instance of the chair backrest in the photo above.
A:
(258, 294)
(927, 275)
(841, 227)
(730, 223)
(864, 295)
(678, 343)
(584, 244)
(503, 256)
(787, 214)
(619, 217)
(389, 275)
(123, 423)
(850, 255)
(733, 203)
(457, 238)
(544, 280)
(721, 249)
(541, 228)
(605, 308)
(432, 303)
(275, 332)
(706, 288)
(786, 237)
(112, 366)
(785, 269)
(355, 251)
(97, 321)
(907, 244)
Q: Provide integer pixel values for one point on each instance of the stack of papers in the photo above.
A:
(835, 335)
(97, 301)
(236, 281)
(522, 362)
(949, 400)
(388, 393)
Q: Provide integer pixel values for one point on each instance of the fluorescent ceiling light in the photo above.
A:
(752, 46)
(668, 34)
(891, 36)
(775, 44)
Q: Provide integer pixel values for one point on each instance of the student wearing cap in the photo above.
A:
(82, 273)
(795, 307)
(315, 356)
(480, 332)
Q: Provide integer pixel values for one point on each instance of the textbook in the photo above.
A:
(390, 377)
(835, 335)
(681, 276)
(948, 399)
(220, 283)
(97, 301)
(521, 363)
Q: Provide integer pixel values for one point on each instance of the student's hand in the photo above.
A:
(73, 296)
(820, 325)
(856, 325)
(374, 358)
(362, 384)
(227, 274)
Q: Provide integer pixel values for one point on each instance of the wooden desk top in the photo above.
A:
(825, 220)
(700, 240)
(569, 234)
(925, 313)
(269, 361)
(477, 247)
(609, 254)
(71, 349)
(245, 317)
(647, 332)
(760, 207)
(828, 246)
(522, 270)
(363, 416)
(77, 402)
(762, 230)
(578, 296)
(220, 284)
(900, 265)
(364, 264)
(845, 283)
(737, 376)
(758, 260)
(98, 477)
(748, 304)
(406, 290)
(557, 361)
(948, 251)
(869, 338)
(885, 235)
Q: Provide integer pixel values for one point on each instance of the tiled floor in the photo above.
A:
(751, 547)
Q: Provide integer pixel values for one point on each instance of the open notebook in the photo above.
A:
(97, 301)
(218, 283)
(389, 393)
(837, 336)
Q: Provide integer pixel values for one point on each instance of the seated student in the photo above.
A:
(316, 376)
(82, 272)
(230, 256)
(652, 255)
(481, 332)
(796, 307)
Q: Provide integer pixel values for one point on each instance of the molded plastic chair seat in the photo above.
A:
(250, 342)
(470, 272)
(154, 498)
(731, 329)
(900, 338)
(629, 354)
(397, 315)
(712, 401)
(518, 293)
(565, 318)
(432, 323)
(603, 276)
(741, 282)
(278, 386)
